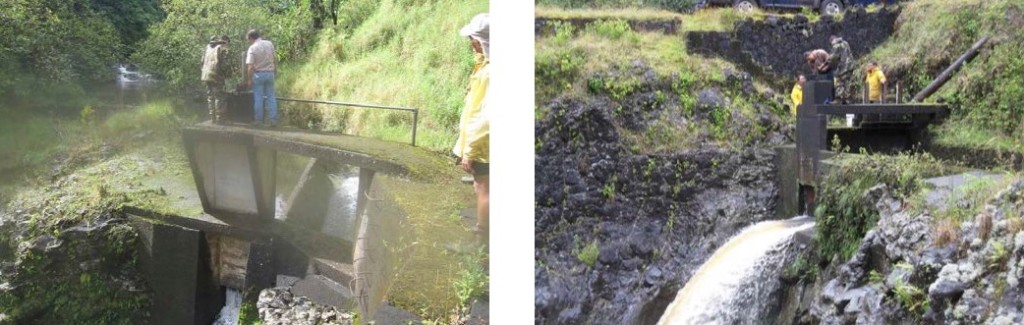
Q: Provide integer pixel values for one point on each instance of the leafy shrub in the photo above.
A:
(613, 29)
(473, 280)
(556, 70)
(843, 214)
(173, 48)
(586, 254)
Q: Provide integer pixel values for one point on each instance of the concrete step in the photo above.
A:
(324, 291)
(336, 271)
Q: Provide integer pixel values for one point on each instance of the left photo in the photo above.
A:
(244, 162)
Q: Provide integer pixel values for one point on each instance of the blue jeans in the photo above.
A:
(263, 85)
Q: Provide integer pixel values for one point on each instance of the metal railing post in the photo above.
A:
(415, 120)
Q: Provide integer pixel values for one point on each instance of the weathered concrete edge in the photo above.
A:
(246, 137)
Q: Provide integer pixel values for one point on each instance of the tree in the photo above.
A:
(174, 47)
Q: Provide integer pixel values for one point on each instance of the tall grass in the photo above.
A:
(674, 5)
(551, 12)
(392, 53)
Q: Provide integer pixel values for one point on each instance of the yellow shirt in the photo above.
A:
(474, 126)
(797, 96)
(875, 80)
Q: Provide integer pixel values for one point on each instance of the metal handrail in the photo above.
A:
(415, 112)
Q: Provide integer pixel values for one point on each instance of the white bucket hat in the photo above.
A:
(479, 29)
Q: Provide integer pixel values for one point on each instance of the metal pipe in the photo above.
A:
(347, 104)
(415, 112)
(948, 73)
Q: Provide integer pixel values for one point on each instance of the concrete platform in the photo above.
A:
(382, 156)
(942, 188)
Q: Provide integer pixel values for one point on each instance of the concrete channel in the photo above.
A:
(241, 241)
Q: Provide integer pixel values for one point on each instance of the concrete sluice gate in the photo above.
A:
(276, 212)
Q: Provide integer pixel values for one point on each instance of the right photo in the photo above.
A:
(779, 162)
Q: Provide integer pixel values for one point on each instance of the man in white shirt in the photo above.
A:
(261, 69)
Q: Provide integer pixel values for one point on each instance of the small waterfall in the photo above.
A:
(232, 306)
(341, 210)
(734, 285)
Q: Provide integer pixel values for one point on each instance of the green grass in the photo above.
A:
(843, 214)
(960, 133)
(598, 60)
(413, 59)
(29, 141)
(473, 279)
(717, 19)
(646, 14)
(586, 254)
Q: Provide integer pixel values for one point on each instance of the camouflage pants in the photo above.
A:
(842, 90)
(216, 99)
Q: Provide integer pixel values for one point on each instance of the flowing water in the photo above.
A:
(340, 219)
(735, 284)
(232, 306)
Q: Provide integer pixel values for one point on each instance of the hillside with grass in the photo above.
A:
(666, 98)
(414, 59)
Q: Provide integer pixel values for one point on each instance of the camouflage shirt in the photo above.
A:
(841, 58)
(215, 63)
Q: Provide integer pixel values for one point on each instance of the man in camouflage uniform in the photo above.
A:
(841, 61)
(215, 70)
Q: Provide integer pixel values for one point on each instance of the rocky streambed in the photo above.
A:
(280, 306)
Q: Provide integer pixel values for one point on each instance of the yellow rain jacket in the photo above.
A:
(474, 127)
(797, 96)
(875, 80)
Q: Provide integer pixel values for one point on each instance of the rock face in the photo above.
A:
(619, 232)
(773, 48)
(900, 275)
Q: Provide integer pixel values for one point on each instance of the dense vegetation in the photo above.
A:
(174, 49)
(674, 5)
(50, 49)
(683, 100)
(845, 213)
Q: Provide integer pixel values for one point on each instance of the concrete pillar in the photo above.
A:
(373, 259)
(175, 263)
(259, 272)
(264, 162)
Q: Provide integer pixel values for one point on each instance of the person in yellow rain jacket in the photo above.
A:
(875, 80)
(798, 92)
(473, 145)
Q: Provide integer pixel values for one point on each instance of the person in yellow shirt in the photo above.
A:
(473, 145)
(798, 92)
(875, 79)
